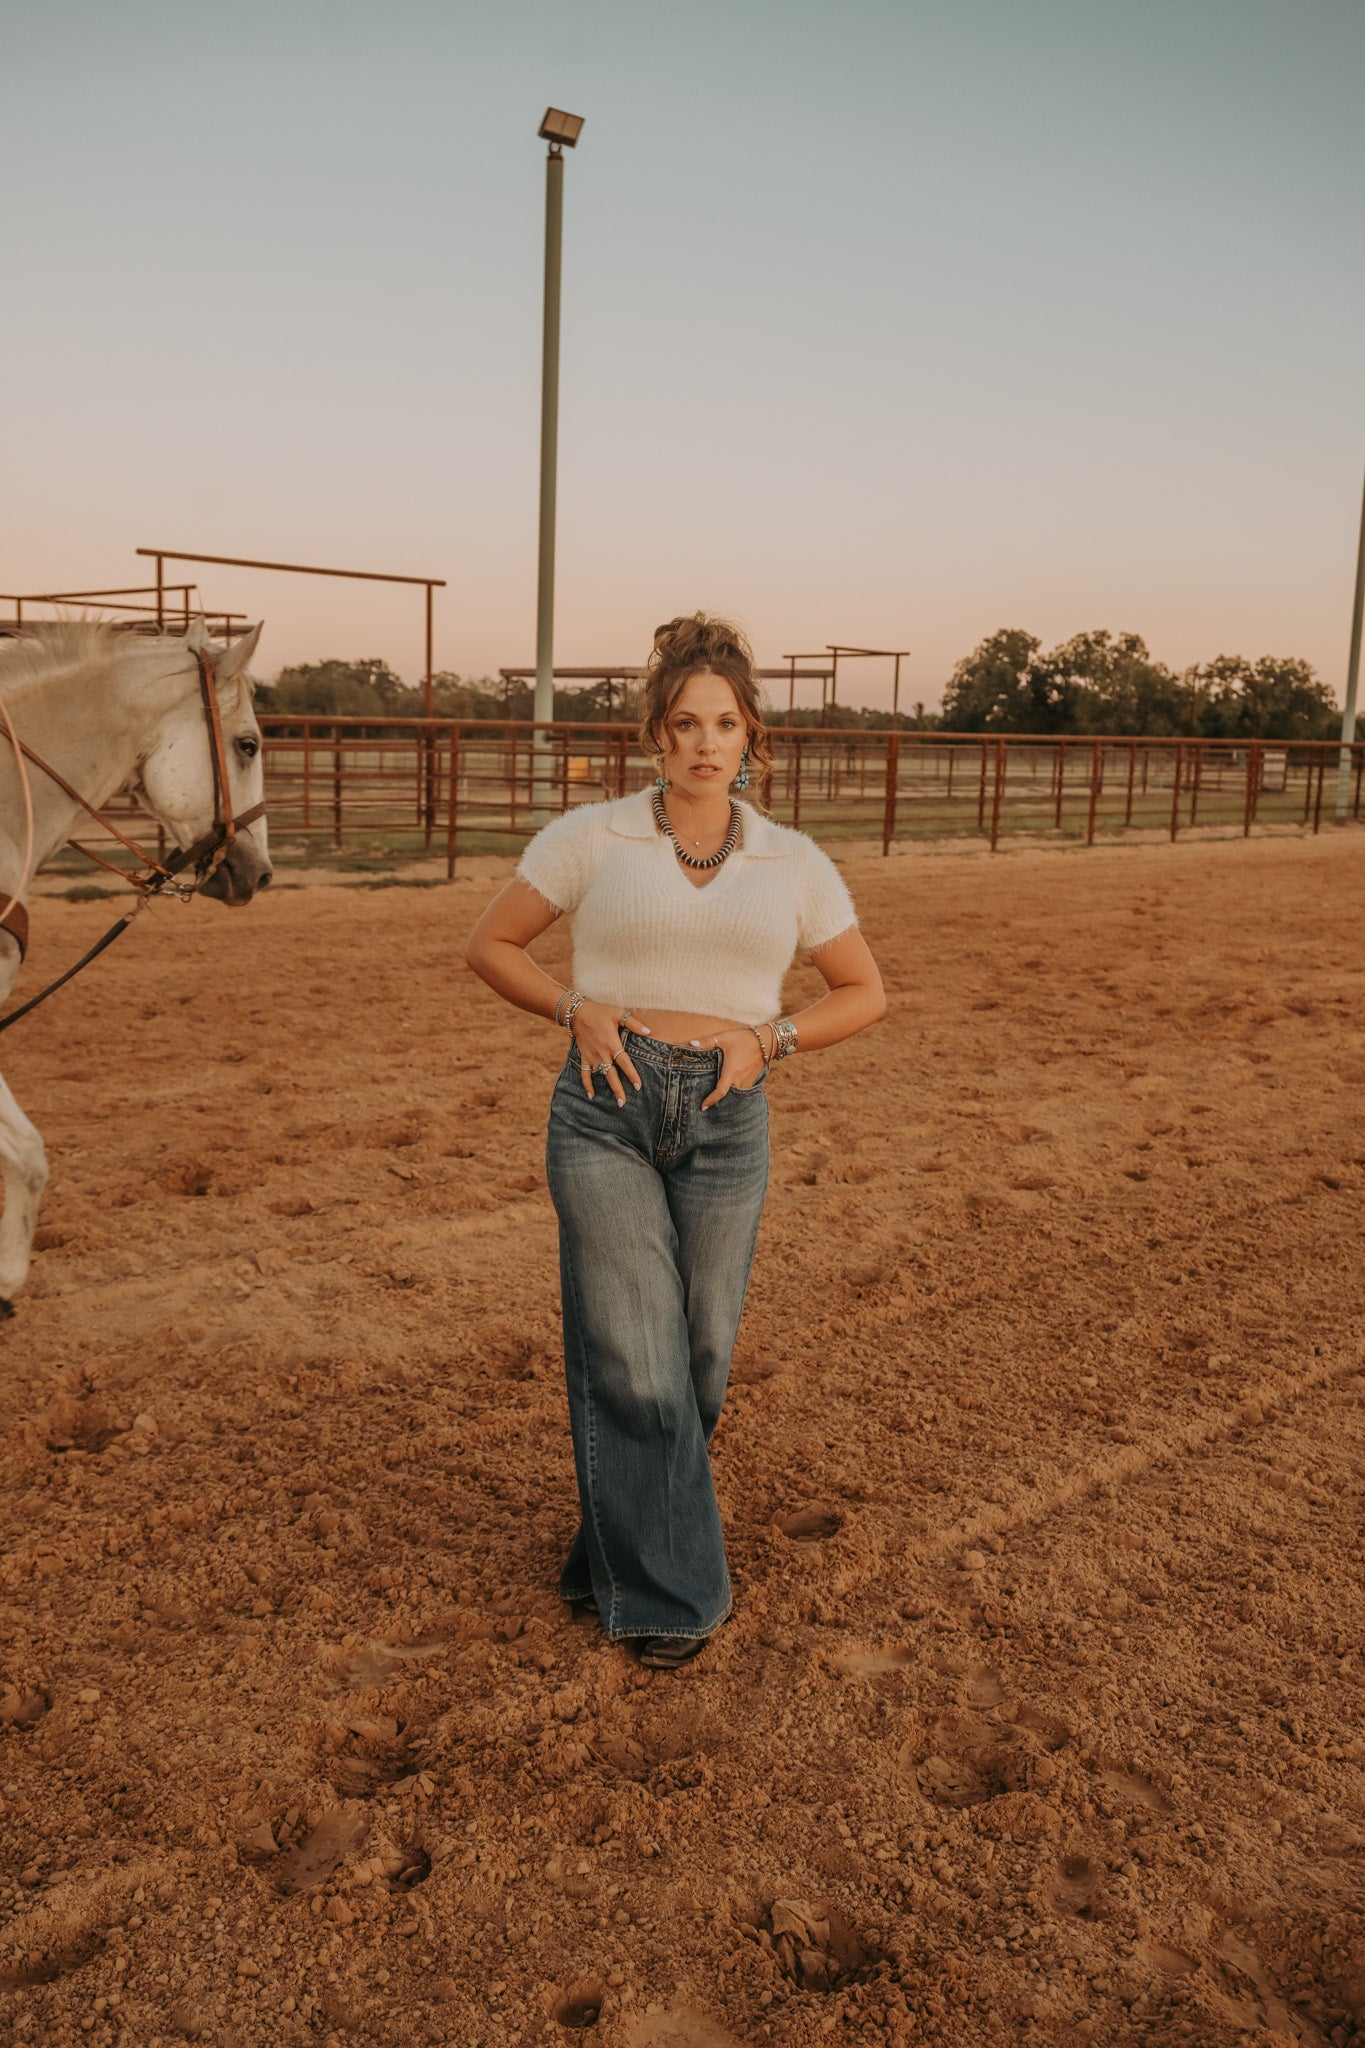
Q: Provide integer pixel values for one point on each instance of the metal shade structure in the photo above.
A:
(560, 127)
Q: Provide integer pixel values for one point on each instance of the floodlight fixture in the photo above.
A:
(560, 127)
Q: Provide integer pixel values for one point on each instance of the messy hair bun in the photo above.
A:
(692, 644)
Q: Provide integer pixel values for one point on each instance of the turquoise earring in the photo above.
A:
(660, 779)
(742, 779)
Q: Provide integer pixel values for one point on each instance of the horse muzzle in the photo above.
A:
(240, 873)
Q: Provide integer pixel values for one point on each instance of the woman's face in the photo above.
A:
(705, 734)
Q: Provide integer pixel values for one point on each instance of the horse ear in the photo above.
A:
(198, 636)
(234, 659)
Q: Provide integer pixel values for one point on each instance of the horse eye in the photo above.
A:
(248, 749)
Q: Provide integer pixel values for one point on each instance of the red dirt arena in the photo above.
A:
(1039, 1719)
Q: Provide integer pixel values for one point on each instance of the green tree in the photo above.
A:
(336, 689)
(1277, 697)
(1002, 686)
(1110, 684)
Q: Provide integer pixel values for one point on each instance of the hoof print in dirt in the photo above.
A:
(961, 1781)
(81, 1423)
(815, 1946)
(1075, 1886)
(808, 1524)
(371, 1752)
(416, 1868)
(6, 1308)
(257, 1845)
(581, 2006)
(20, 1709)
(1134, 1788)
(402, 1866)
(323, 1850)
(185, 2019)
(26, 1972)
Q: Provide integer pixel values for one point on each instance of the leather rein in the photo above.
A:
(205, 856)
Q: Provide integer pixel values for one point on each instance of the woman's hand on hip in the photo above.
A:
(742, 1064)
(597, 1029)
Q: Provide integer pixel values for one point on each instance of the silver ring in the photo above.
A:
(605, 1067)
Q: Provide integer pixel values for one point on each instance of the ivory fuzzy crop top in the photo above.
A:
(647, 938)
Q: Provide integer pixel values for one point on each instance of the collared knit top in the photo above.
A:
(647, 938)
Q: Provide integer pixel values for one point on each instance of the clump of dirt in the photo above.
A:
(814, 1947)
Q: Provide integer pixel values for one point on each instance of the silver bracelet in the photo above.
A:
(784, 1034)
(571, 1002)
(767, 1057)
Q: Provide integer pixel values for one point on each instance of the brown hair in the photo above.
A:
(692, 644)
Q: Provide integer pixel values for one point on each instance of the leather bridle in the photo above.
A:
(205, 856)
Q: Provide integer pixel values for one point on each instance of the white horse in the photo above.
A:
(111, 710)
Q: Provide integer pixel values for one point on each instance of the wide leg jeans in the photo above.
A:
(658, 1205)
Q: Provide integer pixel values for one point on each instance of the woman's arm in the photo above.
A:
(497, 949)
(856, 997)
(497, 953)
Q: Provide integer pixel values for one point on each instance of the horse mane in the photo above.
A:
(49, 648)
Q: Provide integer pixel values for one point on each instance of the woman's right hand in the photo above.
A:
(597, 1029)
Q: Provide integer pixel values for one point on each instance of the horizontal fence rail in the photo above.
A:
(398, 788)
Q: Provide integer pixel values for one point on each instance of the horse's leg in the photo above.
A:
(23, 1167)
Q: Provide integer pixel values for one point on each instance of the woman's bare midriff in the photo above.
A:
(676, 1027)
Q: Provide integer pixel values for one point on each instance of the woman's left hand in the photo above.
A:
(741, 1066)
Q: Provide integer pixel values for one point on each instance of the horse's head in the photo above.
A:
(176, 771)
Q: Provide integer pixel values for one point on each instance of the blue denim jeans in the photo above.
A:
(658, 1207)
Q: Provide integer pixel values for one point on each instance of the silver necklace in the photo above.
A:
(690, 860)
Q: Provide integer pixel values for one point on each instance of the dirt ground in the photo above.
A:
(1039, 1719)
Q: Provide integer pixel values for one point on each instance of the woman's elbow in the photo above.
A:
(476, 954)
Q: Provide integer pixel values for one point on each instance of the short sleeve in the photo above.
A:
(556, 863)
(824, 906)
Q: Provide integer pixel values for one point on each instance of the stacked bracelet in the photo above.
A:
(784, 1037)
(567, 1008)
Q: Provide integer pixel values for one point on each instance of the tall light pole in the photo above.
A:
(1348, 716)
(557, 128)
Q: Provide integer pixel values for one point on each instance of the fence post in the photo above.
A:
(1253, 762)
(1196, 778)
(336, 785)
(998, 791)
(796, 781)
(981, 789)
(1317, 806)
(307, 775)
(1128, 800)
(452, 809)
(429, 755)
(893, 763)
(1175, 787)
(1061, 785)
(1094, 793)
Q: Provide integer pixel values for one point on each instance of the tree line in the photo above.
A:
(1096, 683)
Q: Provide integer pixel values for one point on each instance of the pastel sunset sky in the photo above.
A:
(886, 321)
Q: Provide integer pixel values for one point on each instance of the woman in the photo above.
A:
(688, 907)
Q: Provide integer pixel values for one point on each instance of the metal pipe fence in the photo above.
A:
(414, 788)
